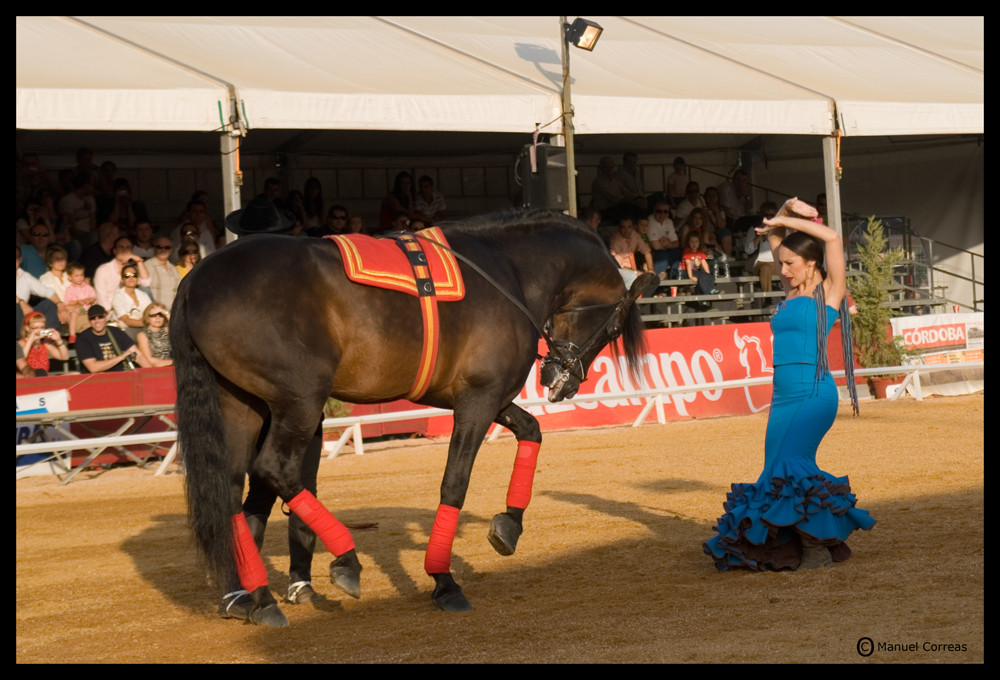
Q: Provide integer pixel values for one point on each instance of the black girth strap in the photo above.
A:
(408, 243)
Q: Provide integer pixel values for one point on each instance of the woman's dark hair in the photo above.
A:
(811, 249)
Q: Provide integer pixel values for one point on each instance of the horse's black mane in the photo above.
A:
(503, 222)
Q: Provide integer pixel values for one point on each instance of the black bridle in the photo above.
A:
(566, 355)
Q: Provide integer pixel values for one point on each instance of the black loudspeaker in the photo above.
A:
(546, 186)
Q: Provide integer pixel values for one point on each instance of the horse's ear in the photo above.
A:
(645, 284)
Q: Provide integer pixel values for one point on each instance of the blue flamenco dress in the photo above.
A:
(766, 522)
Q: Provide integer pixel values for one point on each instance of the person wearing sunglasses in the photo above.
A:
(153, 340)
(128, 302)
(103, 348)
(108, 277)
(187, 258)
(163, 275)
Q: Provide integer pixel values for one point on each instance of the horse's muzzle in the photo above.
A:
(558, 376)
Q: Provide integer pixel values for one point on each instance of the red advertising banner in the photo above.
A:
(675, 357)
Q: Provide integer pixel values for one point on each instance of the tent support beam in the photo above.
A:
(831, 173)
(232, 177)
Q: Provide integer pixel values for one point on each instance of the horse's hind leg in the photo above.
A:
(506, 527)
(280, 464)
(242, 420)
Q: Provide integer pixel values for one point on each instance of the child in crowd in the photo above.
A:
(80, 295)
(695, 263)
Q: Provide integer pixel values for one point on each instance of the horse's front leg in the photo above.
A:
(469, 430)
(506, 527)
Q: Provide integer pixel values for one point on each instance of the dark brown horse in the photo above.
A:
(270, 326)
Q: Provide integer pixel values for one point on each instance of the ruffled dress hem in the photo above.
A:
(766, 523)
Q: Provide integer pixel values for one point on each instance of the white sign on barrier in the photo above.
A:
(41, 402)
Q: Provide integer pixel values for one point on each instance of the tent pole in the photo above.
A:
(567, 122)
(831, 171)
(232, 178)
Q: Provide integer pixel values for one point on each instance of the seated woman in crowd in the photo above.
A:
(40, 344)
(128, 302)
(153, 340)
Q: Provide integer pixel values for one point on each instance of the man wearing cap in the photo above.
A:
(105, 349)
(262, 216)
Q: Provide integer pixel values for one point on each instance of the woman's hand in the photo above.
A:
(794, 206)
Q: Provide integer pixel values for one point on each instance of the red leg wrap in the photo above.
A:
(249, 565)
(519, 491)
(437, 560)
(335, 536)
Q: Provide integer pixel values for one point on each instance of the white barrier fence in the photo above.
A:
(353, 424)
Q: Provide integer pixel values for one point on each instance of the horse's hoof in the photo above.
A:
(345, 573)
(237, 605)
(269, 616)
(504, 532)
(447, 595)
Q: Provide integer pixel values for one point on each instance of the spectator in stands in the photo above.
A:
(188, 234)
(187, 257)
(153, 341)
(101, 251)
(108, 277)
(31, 295)
(355, 225)
(129, 301)
(630, 177)
(734, 196)
(103, 348)
(399, 200)
(40, 343)
(80, 295)
(716, 216)
(677, 182)
(78, 210)
(591, 218)
(21, 367)
(104, 189)
(30, 180)
(163, 275)
(625, 243)
(56, 276)
(197, 227)
(336, 223)
(143, 243)
(85, 166)
(695, 264)
(663, 240)
(821, 208)
(295, 205)
(312, 197)
(122, 207)
(33, 252)
(272, 187)
(429, 204)
(697, 223)
(608, 194)
(757, 247)
(33, 214)
(692, 199)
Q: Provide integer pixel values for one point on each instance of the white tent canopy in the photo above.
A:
(759, 75)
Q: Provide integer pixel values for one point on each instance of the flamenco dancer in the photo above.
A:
(796, 516)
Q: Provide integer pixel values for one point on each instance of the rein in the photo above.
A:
(553, 345)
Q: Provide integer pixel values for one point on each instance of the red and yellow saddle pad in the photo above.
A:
(381, 262)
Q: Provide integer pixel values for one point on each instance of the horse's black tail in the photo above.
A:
(202, 442)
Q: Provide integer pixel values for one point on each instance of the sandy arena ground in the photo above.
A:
(610, 568)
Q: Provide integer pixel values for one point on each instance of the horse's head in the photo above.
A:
(601, 315)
